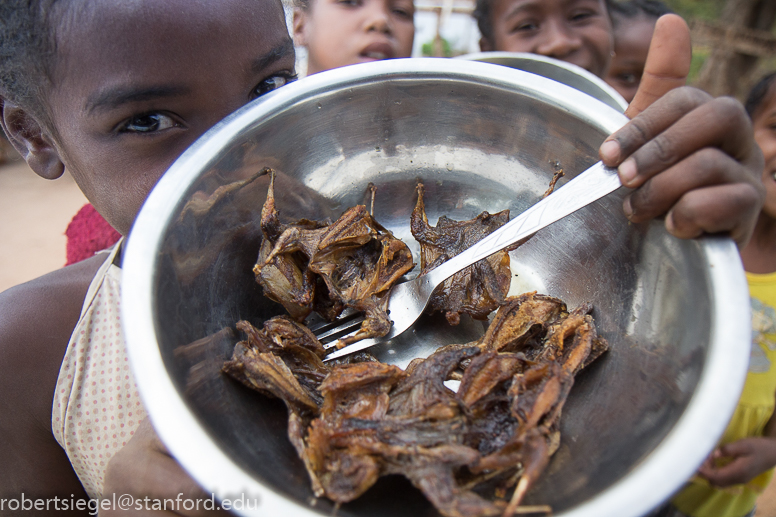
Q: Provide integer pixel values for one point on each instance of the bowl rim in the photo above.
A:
(594, 85)
(696, 432)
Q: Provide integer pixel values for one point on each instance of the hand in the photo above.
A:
(690, 157)
(144, 469)
(748, 458)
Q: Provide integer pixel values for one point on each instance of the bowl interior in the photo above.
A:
(477, 145)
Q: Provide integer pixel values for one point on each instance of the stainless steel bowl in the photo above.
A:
(561, 71)
(676, 313)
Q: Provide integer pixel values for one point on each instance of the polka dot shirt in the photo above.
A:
(96, 407)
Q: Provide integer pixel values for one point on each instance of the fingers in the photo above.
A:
(143, 472)
(683, 122)
(668, 63)
(700, 195)
(694, 159)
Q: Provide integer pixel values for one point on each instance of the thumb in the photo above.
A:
(668, 63)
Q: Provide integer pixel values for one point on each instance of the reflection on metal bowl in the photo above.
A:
(637, 423)
(556, 70)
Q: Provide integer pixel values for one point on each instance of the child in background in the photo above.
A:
(633, 23)
(345, 32)
(729, 482)
(576, 31)
(115, 99)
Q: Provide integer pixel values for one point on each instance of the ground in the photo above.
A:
(35, 213)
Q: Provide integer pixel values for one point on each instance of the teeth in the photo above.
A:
(375, 55)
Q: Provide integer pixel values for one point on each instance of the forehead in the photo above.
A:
(157, 35)
(550, 6)
(767, 107)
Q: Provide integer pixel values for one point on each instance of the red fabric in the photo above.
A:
(87, 234)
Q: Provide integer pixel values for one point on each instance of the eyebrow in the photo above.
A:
(113, 98)
(274, 55)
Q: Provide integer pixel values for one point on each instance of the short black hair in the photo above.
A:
(27, 53)
(633, 8)
(759, 93)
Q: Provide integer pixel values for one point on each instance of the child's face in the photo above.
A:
(576, 31)
(136, 82)
(631, 45)
(764, 125)
(345, 32)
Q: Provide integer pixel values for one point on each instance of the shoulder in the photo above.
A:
(44, 310)
(36, 321)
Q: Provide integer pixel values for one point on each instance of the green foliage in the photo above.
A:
(699, 56)
(428, 48)
(702, 9)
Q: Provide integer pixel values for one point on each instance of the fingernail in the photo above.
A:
(627, 208)
(610, 151)
(628, 171)
(671, 227)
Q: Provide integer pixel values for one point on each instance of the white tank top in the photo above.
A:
(96, 407)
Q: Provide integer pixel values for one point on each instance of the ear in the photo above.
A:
(485, 45)
(298, 23)
(31, 140)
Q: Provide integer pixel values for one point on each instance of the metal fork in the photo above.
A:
(408, 300)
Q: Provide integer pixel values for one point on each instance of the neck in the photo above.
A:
(759, 255)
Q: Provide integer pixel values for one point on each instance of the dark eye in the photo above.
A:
(147, 123)
(580, 16)
(404, 13)
(525, 26)
(348, 3)
(274, 82)
(628, 78)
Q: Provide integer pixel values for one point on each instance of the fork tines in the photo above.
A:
(328, 332)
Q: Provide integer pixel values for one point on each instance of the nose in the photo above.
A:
(559, 40)
(378, 17)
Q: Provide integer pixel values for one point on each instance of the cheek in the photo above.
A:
(405, 35)
(767, 143)
(598, 42)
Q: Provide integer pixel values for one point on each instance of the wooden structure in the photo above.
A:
(737, 46)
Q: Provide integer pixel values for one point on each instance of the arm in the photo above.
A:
(144, 468)
(743, 460)
(36, 320)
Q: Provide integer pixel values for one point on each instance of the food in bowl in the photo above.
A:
(356, 419)
(315, 266)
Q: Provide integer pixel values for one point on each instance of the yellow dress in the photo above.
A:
(698, 498)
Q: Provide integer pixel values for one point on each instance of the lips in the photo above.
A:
(377, 51)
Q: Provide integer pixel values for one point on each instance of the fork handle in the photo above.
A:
(592, 184)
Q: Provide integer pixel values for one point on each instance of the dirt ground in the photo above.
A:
(35, 213)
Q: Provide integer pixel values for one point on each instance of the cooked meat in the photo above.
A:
(480, 288)
(313, 266)
(355, 421)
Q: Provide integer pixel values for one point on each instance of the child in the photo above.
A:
(737, 471)
(115, 98)
(345, 32)
(336, 33)
(633, 22)
(576, 31)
